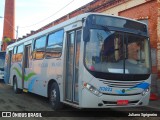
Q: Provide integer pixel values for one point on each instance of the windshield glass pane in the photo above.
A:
(117, 52)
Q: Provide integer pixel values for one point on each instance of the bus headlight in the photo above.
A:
(92, 89)
(145, 91)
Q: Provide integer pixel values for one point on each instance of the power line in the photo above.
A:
(49, 16)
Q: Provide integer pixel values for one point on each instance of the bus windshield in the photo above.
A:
(117, 52)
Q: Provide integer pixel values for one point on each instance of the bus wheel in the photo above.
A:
(54, 97)
(15, 87)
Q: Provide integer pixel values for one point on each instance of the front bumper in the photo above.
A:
(89, 100)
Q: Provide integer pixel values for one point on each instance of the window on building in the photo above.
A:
(55, 44)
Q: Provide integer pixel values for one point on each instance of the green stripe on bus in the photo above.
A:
(26, 78)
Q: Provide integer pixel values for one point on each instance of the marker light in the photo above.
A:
(92, 68)
(92, 89)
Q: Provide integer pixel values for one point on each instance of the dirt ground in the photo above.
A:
(9, 101)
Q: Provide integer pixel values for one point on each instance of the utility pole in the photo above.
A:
(17, 33)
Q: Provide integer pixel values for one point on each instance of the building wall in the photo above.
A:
(127, 5)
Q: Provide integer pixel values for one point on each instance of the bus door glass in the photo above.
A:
(72, 65)
(25, 71)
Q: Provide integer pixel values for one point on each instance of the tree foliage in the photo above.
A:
(7, 40)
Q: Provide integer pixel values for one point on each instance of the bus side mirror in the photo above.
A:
(86, 34)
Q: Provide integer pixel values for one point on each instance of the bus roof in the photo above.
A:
(63, 24)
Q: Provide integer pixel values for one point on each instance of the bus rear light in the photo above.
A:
(92, 89)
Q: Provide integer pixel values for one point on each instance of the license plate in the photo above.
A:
(122, 102)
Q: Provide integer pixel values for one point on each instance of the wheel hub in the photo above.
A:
(53, 96)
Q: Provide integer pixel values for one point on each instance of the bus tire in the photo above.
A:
(15, 86)
(54, 97)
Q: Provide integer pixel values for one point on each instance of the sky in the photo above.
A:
(34, 14)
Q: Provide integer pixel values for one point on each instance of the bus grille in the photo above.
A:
(121, 84)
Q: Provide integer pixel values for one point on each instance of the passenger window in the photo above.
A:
(14, 54)
(19, 54)
(20, 49)
(39, 48)
(55, 44)
(15, 50)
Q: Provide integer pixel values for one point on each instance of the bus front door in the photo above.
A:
(25, 68)
(72, 66)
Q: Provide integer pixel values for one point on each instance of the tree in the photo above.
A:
(7, 40)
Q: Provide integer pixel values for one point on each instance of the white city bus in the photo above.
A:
(90, 61)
